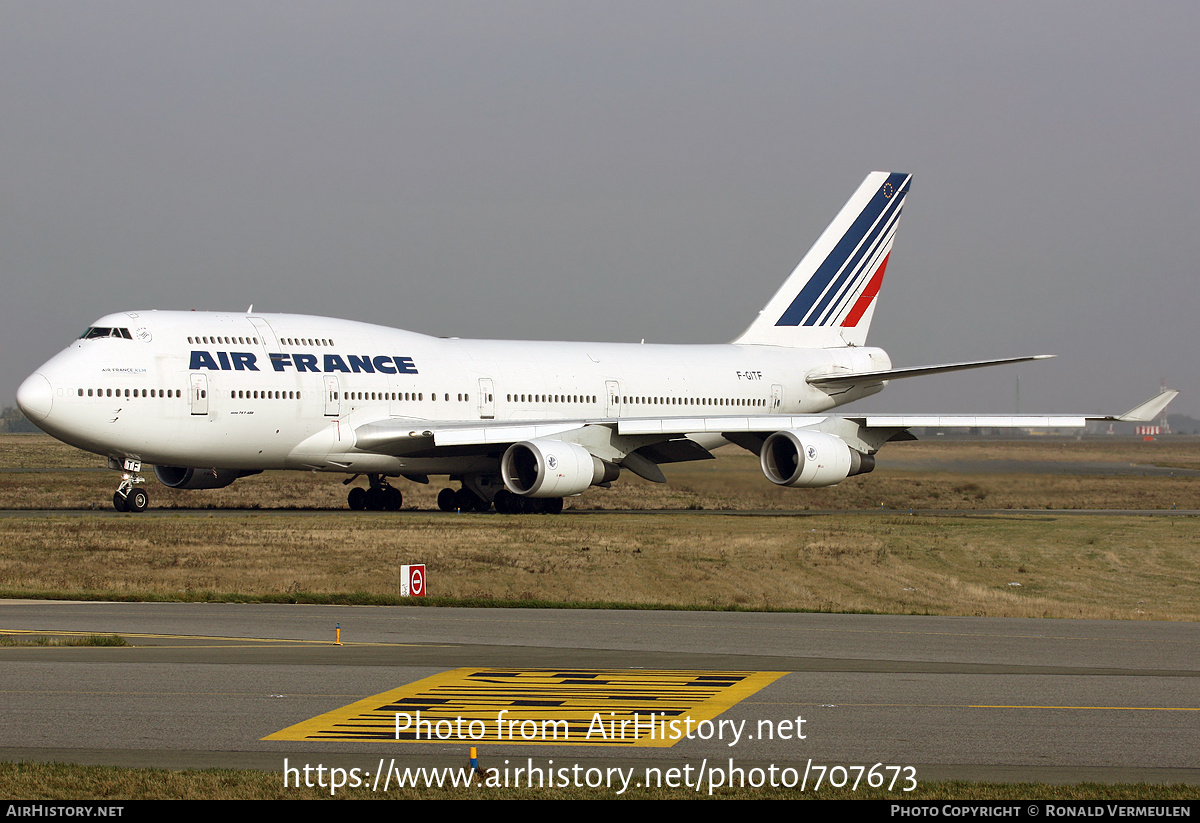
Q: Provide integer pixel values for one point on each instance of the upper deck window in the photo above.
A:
(94, 332)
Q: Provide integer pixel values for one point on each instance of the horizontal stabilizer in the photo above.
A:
(823, 380)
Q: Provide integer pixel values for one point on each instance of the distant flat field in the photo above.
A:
(684, 544)
(935, 474)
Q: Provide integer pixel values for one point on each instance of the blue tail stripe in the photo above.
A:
(832, 265)
(857, 272)
(851, 269)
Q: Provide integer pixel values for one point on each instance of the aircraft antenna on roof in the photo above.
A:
(250, 309)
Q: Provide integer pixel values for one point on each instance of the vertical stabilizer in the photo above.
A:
(830, 297)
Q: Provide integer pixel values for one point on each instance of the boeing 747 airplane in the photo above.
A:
(209, 397)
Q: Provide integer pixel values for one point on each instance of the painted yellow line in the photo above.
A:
(578, 707)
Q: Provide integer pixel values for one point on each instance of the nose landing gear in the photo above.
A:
(129, 498)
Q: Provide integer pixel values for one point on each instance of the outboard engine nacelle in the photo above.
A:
(176, 477)
(552, 468)
(809, 459)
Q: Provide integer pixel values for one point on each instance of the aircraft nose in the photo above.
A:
(35, 397)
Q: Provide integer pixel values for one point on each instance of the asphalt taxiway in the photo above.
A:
(956, 698)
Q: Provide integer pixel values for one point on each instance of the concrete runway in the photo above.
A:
(955, 698)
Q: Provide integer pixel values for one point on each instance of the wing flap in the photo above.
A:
(493, 435)
(716, 425)
(1018, 421)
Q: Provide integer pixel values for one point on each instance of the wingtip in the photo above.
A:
(1151, 409)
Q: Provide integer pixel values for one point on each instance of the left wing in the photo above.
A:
(796, 450)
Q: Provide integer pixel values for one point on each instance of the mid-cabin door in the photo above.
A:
(612, 401)
(333, 403)
(487, 400)
(198, 393)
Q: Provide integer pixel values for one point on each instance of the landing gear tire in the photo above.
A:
(504, 502)
(509, 503)
(393, 499)
(134, 502)
(137, 501)
(374, 499)
(543, 505)
(446, 499)
(465, 500)
(380, 498)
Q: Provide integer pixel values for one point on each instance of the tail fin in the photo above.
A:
(830, 297)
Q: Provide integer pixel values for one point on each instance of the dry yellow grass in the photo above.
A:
(733, 481)
(1066, 566)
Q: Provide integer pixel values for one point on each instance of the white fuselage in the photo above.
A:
(277, 391)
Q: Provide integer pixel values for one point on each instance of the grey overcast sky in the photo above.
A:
(616, 171)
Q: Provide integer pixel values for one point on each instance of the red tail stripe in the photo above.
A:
(864, 299)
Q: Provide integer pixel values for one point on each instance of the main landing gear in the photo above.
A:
(472, 497)
(467, 500)
(463, 500)
(128, 497)
(380, 497)
(509, 503)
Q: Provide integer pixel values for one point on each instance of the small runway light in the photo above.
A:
(484, 773)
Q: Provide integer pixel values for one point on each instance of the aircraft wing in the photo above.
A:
(1141, 413)
(776, 422)
(640, 444)
(387, 435)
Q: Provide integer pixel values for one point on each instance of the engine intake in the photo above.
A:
(808, 459)
(552, 468)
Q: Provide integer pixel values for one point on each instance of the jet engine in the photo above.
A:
(797, 457)
(175, 477)
(552, 468)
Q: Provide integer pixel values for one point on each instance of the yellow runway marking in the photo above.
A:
(579, 707)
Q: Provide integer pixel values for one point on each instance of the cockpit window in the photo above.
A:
(105, 331)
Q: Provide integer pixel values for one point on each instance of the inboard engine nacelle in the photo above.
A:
(552, 468)
(176, 477)
(797, 457)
